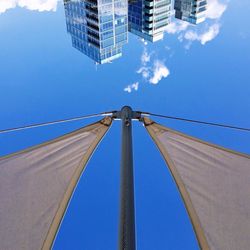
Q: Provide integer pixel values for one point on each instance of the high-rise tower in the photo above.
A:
(99, 28)
(192, 11)
(148, 18)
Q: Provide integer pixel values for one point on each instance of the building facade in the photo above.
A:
(192, 11)
(149, 18)
(98, 28)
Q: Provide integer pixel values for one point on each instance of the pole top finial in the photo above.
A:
(126, 112)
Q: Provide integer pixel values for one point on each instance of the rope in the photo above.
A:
(197, 121)
(53, 122)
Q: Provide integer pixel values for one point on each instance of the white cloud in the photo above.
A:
(215, 9)
(176, 27)
(132, 87)
(204, 32)
(145, 42)
(152, 72)
(144, 71)
(7, 4)
(204, 37)
(39, 5)
(167, 47)
(159, 71)
(145, 57)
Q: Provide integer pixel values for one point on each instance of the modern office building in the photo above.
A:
(192, 11)
(149, 18)
(99, 28)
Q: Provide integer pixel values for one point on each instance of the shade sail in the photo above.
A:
(36, 185)
(215, 186)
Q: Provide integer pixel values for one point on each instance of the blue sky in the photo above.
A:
(195, 72)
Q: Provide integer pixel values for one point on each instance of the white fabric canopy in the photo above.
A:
(215, 185)
(36, 185)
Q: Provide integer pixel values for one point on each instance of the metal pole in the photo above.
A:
(127, 214)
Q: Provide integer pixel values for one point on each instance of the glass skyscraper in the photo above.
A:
(192, 11)
(99, 28)
(148, 18)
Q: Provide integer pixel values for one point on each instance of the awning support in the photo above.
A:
(127, 239)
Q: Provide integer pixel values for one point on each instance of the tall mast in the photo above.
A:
(127, 239)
